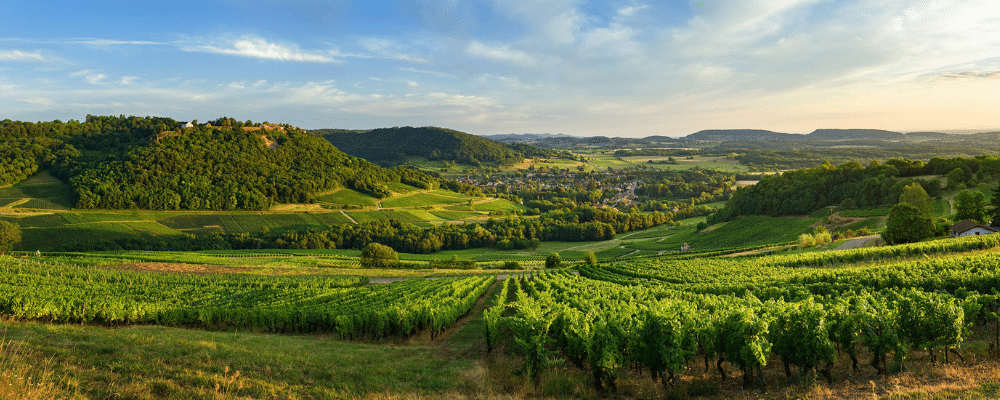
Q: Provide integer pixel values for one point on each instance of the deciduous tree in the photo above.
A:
(971, 205)
(377, 255)
(907, 224)
(10, 236)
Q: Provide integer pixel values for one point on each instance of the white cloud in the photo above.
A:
(499, 53)
(128, 80)
(553, 22)
(18, 55)
(389, 49)
(96, 79)
(434, 73)
(631, 11)
(260, 48)
(110, 42)
(615, 34)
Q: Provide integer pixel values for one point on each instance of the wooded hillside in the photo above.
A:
(150, 163)
(389, 146)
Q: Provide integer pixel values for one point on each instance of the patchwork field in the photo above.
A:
(42, 205)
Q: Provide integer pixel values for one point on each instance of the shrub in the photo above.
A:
(377, 255)
(553, 261)
(806, 240)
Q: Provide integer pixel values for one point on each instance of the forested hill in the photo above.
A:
(851, 185)
(153, 163)
(390, 146)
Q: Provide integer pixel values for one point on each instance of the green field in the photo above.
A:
(349, 197)
(498, 205)
(704, 162)
(41, 191)
(400, 187)
(422, 200)
(383, 215)
(453, 215)
(741, 232)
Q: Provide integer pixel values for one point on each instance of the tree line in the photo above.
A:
(851, 185)
(581, 223)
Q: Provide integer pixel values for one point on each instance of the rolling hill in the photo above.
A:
(390, 146)
(154, 164)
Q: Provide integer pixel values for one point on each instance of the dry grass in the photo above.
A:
(177, 268)
(27, 376)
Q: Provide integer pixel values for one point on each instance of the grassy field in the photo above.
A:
(41, 191)
(42, 204)
(704, 162)
(349, 197)
(745, 231)
(498, 205)
(51, 360)
(422, 200)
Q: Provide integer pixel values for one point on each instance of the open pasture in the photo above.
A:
(348, 197)
(423, 200)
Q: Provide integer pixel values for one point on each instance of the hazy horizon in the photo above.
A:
(584, 68)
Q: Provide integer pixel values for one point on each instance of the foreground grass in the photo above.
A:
(157, 362)
(46, 361)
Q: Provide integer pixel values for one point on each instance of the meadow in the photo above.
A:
(41, 205)
(222, 360)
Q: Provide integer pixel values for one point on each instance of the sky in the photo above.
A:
(629, 68)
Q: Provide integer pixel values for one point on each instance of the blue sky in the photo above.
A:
(613, 68)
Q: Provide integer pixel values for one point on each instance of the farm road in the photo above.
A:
(856, 242)
(391, 280)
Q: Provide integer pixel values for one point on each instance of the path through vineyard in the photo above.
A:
(456, 339)
(856, 242)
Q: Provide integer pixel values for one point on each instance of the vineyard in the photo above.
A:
(347, 306)
(664, 316)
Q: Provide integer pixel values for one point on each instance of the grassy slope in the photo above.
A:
(49, 223)
(146, 362)
(745, 231)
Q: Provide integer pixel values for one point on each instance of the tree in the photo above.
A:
(955, 177)
(590, 258)
(10, 236)
(915, 194)
(995, 201)
(377, 255)
(553, 261)
(907, 224)
(971, 205)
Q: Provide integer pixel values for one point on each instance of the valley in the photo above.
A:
(567, 273)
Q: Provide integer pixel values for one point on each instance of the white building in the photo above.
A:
(967, 227)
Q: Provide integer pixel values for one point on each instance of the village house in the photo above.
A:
(967, 227)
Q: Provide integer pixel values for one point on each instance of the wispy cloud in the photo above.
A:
(631, 11)
(110, 42)
(18, 55)
(426, 72)
(499, 52)
(259, 48)
(389, 49)
(93, 78)
(970, 75)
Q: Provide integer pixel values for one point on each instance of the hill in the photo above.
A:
(855, 134)
(152, 163)
(738, 134)
(390, 146)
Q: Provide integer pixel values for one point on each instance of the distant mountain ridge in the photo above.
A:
(760, 138)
